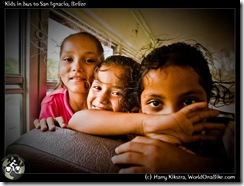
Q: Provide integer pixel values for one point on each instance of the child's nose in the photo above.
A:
(103, 97)
(77, 66)
(169, 109)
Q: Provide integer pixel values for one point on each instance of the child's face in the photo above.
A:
(168, 90)
(77, 63)
(106, 90)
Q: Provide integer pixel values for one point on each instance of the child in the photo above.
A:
(116, 71)
(79, 55)
(172, 77)
(113, 89)
(114, 85)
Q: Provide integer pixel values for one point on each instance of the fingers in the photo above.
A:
(208, 126)
(129, 146)
(143, 139)
(205, 126)
(127, 158)
(137, 145)
(43, 124)
(133, 155)
(203, 115)
(51, 123)
(130, 161)
(60, 121)
(141, 145)
(189, 109)
(175, 138)
(37, 124)
(191, 112)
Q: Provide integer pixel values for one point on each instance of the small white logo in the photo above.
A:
(13, 167)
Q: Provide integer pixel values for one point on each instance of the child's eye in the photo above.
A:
(116, 93)
(90, 61)
(67, 59)
(96, 87)
(189, 101)
(154, 103)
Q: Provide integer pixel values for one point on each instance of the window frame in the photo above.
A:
(19, 78)
(32, 80)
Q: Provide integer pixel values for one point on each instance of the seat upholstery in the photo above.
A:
(65, 151)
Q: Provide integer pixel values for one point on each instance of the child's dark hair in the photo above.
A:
(130, 77)
(183, 55)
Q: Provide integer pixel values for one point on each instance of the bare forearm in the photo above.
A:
(172, 128)
(107, 123)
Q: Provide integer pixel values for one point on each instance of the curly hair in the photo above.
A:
(130, 78)
(186, 55)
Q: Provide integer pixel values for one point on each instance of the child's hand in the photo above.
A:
(147, 155)
(179, 127)
(49, 123)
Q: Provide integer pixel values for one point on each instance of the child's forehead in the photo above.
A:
(114, 71)
(79, 43)
(172, 82)
(170, 69)
(110, 78)
(162, 74)
(112, 67)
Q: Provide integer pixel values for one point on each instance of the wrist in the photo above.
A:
(140, 125)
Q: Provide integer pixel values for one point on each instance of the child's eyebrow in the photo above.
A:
(189, 92)
(192, 92)
(69, 51)
(153, 95)
(118, 87)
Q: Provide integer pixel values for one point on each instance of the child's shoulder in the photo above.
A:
(56, 94)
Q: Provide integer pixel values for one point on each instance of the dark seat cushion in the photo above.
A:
(65, 151)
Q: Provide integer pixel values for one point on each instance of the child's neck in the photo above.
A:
(77, 101)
